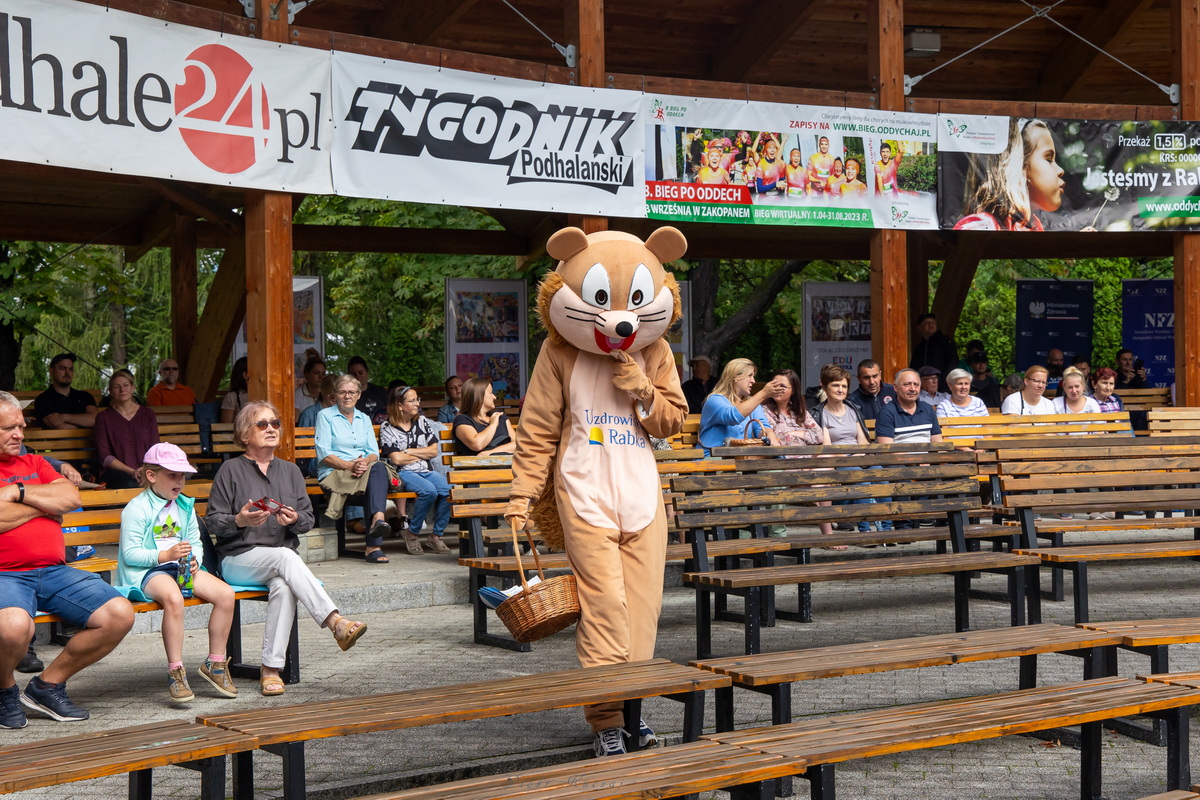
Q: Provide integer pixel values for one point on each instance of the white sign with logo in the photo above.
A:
(837, 327)
(412, 132)
(82, 86)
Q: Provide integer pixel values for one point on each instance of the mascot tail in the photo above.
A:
(544, 513)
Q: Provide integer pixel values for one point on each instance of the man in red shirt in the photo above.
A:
(34, 577)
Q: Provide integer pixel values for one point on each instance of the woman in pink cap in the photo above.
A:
(160, 538)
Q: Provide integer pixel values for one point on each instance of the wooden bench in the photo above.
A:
(823, 742)
(284, 730)
(1174, 422)
(1139, 476)
(712, 505)
(968, 431)
(1176, 795)
(135, 750)
(1146, 399)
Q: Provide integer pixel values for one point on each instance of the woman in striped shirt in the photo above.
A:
(961, 403)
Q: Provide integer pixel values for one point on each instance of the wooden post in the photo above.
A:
(584, 21)
(183, 290)
(890, 326)
(269, 276)
(1186, 42)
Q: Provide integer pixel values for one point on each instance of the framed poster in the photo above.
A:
(487, 333)
(308, 323)
(837, 326)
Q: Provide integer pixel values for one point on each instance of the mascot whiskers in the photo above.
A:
(604, 382)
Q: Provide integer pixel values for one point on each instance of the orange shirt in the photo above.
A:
(160, 395)
(820, 167)
(715, 176)
(835, 184)
(854, 187)
(797, 179)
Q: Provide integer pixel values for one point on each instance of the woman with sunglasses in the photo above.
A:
(257, 538)
(348, 463)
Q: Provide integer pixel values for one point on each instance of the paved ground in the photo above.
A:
(420, 635)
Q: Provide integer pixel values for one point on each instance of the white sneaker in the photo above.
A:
(610, 742)
(646, 735)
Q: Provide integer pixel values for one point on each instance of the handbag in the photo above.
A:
(543, 608)
(749, 427)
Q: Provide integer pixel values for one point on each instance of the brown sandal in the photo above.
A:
(346, 632)
(271, 685)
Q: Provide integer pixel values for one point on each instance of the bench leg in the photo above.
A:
(212, 776)
(781, 714)
(693, 713)
(633, 714)
(243, 775)
(751, 791)
(724, 708)
(1179, 766)
(1028, 672)
(753, 611)
(703, 623)
(1156, 732)
(1080, 590)
(1033, 593)
(292, 754)
(476, 581)
(1090, 761)
(820, 782)
(140, 785)
(1016, 596)
(962, 602)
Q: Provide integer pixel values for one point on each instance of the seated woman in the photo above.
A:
(1103, 381)
(1071, 399)
(159, 531)
(843, 423)
(408, 441)
(348, 463)
(481, 430)
(258, 545)
(237, 395)
(961, 403)
(1030, 401)
(794, 426)
(124, 432)
(727, 412)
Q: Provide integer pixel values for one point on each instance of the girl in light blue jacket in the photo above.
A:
(158, 530)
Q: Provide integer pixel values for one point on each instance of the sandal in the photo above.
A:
(378, 557)
(346, 632)
(271, 685)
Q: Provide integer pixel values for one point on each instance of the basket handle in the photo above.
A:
(537, 560)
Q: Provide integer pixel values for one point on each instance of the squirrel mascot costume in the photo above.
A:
(584, 465)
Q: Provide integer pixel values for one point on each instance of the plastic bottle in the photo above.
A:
(186, 582)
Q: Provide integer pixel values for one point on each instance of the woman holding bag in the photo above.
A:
(408, 442)
(732, 409)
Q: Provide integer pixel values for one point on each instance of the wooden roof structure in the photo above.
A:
(819, 52)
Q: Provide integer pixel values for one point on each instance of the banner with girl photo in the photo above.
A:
(774, 164)
(1019, 174)
(486, 333)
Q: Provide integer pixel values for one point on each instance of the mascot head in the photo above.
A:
(610, 291)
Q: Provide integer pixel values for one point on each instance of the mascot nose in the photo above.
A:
(624, 329)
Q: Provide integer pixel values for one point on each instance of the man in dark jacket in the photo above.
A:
(872, 393)
(983, 384)
(935, 349)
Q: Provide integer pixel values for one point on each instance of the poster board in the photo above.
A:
(487, 333)
(1053, 313)
(837, 326)
(308, 322)
(1148, 328)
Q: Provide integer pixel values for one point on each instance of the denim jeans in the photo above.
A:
(430, 488)
(864, 526)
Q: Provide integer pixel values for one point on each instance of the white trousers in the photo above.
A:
(288, 579)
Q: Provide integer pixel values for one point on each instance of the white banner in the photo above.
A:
(85, 87)
(774, 164)
(412, 132)
(837, 327)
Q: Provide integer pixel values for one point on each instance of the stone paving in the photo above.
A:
(420, 636)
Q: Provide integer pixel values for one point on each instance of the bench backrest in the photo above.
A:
(1174, 422)
(1145, 399)
(101, 513)
(971, 430)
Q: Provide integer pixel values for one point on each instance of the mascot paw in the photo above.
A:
(517, 512)
(629, 377)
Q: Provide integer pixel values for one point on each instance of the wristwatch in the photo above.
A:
(20, 492)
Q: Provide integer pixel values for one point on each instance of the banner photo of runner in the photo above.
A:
(82, 86)
(774, 164)
(418, 133)
(1050, 314)
(1018, 174)
(1148, 327)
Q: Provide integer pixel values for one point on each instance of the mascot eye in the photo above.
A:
(596, 290)
(641, 288)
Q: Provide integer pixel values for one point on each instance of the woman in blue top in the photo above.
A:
(348, 462)
(732, 402)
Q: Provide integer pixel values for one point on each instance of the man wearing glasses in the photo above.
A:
(169, 391)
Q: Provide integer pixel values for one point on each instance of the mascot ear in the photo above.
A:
(667, 243)
(567, 243)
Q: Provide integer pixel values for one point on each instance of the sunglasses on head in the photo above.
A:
(263, 423)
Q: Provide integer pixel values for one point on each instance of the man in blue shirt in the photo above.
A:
(872, 393)
(907, 419)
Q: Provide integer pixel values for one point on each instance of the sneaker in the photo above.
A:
(218, 675)
(844, 526)
(51, 699)
(436, 544)
(646, 737)
(30, 663)
(1066, 516)
(178, 687)
(610, 742)
(11, 713)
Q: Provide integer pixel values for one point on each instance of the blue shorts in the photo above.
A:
(68, 592)
(168, 568)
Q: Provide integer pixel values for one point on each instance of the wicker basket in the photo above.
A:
(542, 609)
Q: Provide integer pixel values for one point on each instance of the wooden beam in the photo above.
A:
(269, 304)
(184, 300)
(958, 271)
(195, 200)
(918, 277)
(1066, 67)
(156, 231)
(223, 313)
(363, 239)
(889, 272)
(747, 49)
(420, 23)
(1186, 50)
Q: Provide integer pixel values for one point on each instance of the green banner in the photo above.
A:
(773, 215)
(1158, 207)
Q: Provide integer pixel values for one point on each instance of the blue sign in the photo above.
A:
(1148, 327)
(1050, 314)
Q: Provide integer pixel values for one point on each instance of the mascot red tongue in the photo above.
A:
(606, 377)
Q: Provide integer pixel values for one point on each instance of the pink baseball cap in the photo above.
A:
(169, 457)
